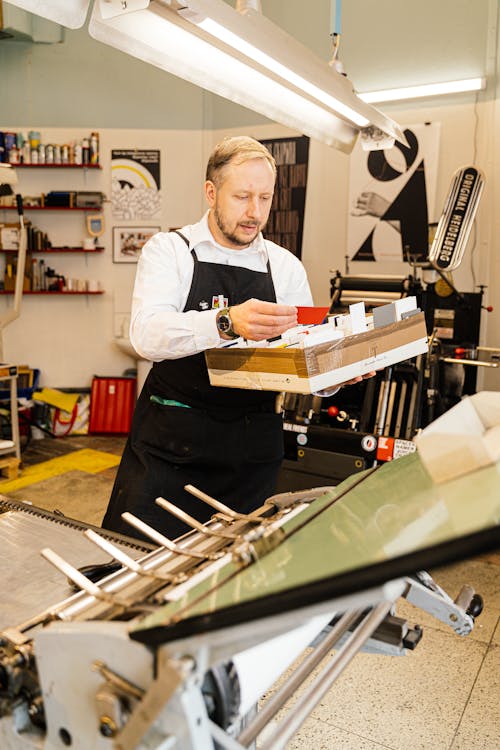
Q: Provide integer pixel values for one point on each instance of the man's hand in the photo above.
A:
(257, 320)
(358, 379)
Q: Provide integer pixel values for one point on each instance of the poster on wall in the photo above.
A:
(392, 196)
(129, 241)
(135, 184)
(286, 219)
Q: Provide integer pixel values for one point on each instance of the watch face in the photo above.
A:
(224, 324)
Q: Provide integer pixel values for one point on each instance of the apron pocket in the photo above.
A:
(173, 433)
(264, 437)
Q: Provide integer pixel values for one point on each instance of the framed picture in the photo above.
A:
(128, 242)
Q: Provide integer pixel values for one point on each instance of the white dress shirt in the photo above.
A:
(159, 329)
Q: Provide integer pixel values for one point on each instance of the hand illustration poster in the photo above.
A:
(135, 183)
(392, 196)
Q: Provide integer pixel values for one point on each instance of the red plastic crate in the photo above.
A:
(112, 402)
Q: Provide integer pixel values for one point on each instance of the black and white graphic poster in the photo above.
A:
(285, 225)
(392, 196)
(135, 183)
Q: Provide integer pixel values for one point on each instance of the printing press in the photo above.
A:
(328, 439)
(172, 644)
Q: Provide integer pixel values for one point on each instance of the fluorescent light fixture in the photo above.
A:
(247, 59)
(219, 32)
(69, 13)
(241, 56)
(429, 89)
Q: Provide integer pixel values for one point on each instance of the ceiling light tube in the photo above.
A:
(252, 52)
(169, 38)
(429, 89)
(150, 37)
(279, 55)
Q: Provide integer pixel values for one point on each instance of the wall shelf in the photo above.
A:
(53, 208)
(49, 250)
(56, 166)
(40, 248)
(54, 294)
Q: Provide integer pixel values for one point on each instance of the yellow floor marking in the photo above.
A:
(88, 460)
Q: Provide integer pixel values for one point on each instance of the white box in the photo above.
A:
(320, 366)
(463, 439)
(10, 237)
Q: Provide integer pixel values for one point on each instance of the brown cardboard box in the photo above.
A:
(320, 366)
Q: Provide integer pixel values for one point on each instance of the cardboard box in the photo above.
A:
(463, 439)
(323, 365)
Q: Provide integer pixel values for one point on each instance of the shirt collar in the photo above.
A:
(201, 233)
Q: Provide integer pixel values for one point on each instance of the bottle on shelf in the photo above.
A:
(30, 149)
(78, 154)
(41, 276)
(94, 148)
(85, 151)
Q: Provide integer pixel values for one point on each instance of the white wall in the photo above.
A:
(71, 338)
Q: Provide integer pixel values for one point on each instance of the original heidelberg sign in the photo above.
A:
(458, 216)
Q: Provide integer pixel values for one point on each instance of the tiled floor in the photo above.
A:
(443, 696)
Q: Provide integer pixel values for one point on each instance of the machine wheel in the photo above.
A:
(476, 606)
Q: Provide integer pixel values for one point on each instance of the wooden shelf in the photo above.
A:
(53, 208)
(56, 166)
(66, 249)
(54, 294)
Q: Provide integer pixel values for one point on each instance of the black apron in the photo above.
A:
(227, 443)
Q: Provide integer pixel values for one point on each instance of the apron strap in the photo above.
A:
(176, 231)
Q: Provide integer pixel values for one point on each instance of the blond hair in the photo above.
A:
(236, 150)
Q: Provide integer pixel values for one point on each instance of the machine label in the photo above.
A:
(403, 447)
(294, 427)
(369, 443)
(385, 448)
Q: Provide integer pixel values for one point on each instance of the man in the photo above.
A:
(194, 290)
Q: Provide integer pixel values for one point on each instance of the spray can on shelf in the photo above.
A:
(94, 148)
(85, 151)
(35, 284)
(26, 152)
(34, 138)
(41, 276)
(78, 155)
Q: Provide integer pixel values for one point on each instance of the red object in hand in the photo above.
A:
(333, 411)
(311, 315)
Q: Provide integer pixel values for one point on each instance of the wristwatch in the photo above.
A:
(225, 324)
